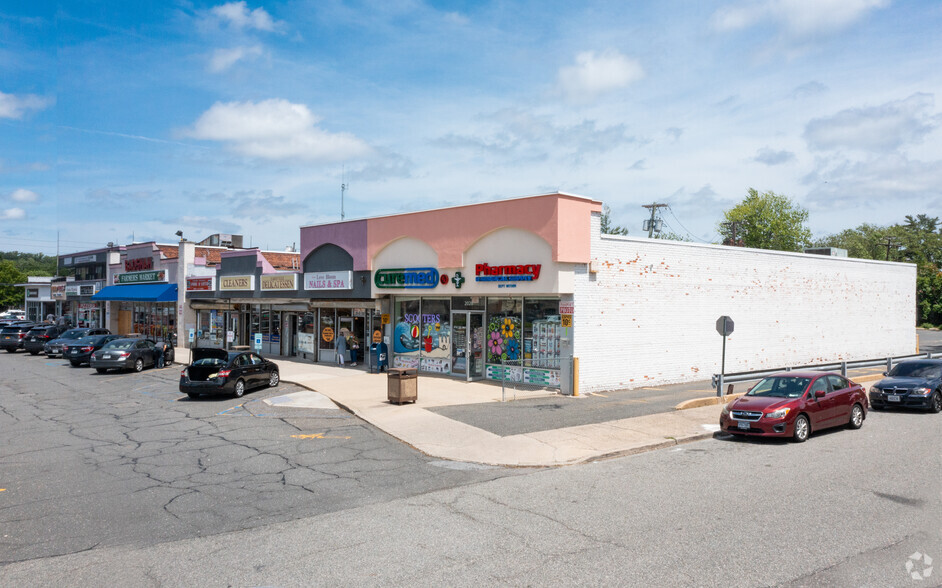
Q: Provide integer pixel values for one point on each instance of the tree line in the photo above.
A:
(14, 269)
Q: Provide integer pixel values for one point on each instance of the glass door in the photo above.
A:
(459, 344)
(476, 345)
(467, 345)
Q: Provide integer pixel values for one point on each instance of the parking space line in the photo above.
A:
(319, 436)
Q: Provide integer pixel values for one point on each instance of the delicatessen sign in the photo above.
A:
(279, 282)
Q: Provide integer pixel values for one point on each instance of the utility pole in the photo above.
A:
(343, 188)
(733, 227)
(890, 243)
(651, 222)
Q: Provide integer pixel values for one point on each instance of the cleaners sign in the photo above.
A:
(506, 273)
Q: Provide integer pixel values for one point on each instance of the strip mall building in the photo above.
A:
(470, 290)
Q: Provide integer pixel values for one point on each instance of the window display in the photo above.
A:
(406, 340)
(503, 330)
(435, 344)
(541, 332)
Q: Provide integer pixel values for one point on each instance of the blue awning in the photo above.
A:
(139, 293)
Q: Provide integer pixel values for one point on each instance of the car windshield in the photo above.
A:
(781, 387)
(916, 370)
(73, 334)
(120, 344)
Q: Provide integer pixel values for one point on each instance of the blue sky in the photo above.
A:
(123, 121)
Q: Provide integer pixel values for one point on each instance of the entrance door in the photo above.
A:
(467, 345)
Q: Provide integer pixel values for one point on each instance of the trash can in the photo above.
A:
(380, 355)
(402, 385)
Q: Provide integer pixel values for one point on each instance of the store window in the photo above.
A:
(406, 332)
(541, 332)
(503, 336)
(327, 329)
(435, 333)
(307, 324)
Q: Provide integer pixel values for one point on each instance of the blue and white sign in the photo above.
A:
(258, 341)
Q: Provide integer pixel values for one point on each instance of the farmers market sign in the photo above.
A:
(141, 277)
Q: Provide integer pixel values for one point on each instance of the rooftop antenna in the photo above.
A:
(343, 188)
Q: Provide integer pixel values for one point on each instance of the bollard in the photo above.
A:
(844, 368)
(575, 376)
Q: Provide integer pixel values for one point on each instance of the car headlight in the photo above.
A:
(921, 391)
(875, 390)
(726, 409)
(778, 414)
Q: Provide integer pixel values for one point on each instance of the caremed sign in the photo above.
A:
(506, 273)
(410, 277)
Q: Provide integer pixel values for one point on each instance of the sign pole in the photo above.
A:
(719, 388)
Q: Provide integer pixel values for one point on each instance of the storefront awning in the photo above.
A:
(139, 293)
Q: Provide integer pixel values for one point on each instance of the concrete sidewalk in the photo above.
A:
(364, 395)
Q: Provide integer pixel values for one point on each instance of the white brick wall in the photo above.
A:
(648, 315)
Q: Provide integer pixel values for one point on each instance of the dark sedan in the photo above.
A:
(79, 352)
(217, 371)
(54, 348)
(11, 337)
(915, 383)
(125, 354)
(37, 338)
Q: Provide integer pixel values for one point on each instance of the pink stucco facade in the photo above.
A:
(562, 220)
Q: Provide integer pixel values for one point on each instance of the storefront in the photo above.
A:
(38, 300)
(142, 302)
(80, 308)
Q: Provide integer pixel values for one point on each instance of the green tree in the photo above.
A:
(929, 295)
(767, 221)
(10, 295)
(32, 264)
(607, 227)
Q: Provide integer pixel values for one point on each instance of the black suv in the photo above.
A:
(11, 338)
(39, 335)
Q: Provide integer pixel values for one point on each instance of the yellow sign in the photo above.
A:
(327, 334)
(279, 282)
(567, 320)
(385, 318)
(377, 336)
(236, 282)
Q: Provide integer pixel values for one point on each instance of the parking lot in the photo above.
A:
(90, 460)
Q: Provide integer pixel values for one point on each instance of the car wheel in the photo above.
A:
(802, 429)
(856, 417)
(34, 353)
(101, 370)
(75, 364)
(935, 403)
(11, 350)
(239, 389)
(273, 379)
(168, 358)
(139, 365)
(193, 395)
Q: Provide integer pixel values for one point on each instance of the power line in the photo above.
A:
(671, 210)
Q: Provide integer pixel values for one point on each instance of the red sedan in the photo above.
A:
(793, 404)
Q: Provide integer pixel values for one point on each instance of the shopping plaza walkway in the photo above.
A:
(468, 421)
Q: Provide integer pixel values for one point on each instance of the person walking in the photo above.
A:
(341, 346)
(353, 344)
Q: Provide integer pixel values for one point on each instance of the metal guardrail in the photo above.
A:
(719, 380)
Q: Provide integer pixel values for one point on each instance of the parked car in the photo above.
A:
(125, 353)
(914, 383)
(54, 348)
(37, 338)
(79, 352)
(793, 404)
(217, 371)
(11, 337)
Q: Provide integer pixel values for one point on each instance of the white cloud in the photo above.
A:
(594, 75)
(13, 214)
(223, 59)
(797, 18)
(239, 16)
(770, 157)
(15, 106)
(275, 129)
(843, 183)
(879, 128)
(21, 195)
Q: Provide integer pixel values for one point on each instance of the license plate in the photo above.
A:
(75, 352)
(33, 339)
(744, 425)
(106, 356)
(892, 397)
